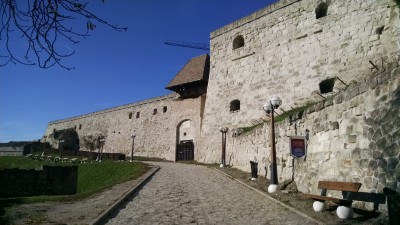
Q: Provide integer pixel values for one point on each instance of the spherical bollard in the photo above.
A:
(272, 188)
(319, 206)
(344, 212)
(221, 166)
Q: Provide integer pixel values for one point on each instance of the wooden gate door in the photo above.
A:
(185, 151)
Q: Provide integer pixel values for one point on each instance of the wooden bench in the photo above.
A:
(348, 189)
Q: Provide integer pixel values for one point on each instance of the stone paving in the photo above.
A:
(190, 194)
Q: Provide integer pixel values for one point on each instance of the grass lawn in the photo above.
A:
(92, 177)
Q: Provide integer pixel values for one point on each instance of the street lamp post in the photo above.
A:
(102, 146)
(59, 146)
(269, 108)
(133, 144)
(223, 132)
(43, 146)
(102, 140)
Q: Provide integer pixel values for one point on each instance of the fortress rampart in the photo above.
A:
(154, 121)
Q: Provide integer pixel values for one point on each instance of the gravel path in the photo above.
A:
(190, 194)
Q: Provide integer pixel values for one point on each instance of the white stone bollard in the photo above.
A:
(272, 188)
(344, 212)
(319, 206)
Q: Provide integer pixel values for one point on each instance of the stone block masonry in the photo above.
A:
(356, 140)
(155, 122)
(287, 51)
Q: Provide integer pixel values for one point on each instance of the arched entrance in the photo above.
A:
(184, 141)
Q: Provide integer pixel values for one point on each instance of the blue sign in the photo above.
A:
(298, 147)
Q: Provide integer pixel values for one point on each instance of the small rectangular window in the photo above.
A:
(80, 126)
(130, 115)
(137, 114)
(154, 111)
(165, 109)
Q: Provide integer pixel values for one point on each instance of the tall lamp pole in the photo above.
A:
(59, 146)
(269, 108)
(133, 144)
(101, 146)
(43, 145)
(223, 132)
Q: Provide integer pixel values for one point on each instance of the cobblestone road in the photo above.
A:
(189, 194)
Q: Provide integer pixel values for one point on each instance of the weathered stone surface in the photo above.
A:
(391, 151)
(382, 165)
(391, 175)
(338, 99)
(372, 165)
(377, 154)
(383, 77)
(355, 153)
(352, 138)
(392, 162)
(364, 163)
(372, 82)
(368, 182)
(381, 143)
(373, 146)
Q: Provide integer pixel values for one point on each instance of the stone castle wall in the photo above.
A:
(155, 133)
(354, 136)
(288, 52)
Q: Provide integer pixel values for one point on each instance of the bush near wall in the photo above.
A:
(86, 154)
(93, 155)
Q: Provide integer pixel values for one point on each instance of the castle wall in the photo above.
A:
(288, 52)
(155, 133)
(354, 136)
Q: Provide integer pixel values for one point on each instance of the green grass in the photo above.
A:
(248, 129)
(292, 112)
(92, 177)
(281, 117)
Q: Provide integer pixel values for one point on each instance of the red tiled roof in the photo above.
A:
(196, 69)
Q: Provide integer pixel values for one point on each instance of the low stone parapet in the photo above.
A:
(49, 180)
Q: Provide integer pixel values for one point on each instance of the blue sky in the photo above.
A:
(112, 68)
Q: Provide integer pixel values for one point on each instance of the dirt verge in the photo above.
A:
(293, 198)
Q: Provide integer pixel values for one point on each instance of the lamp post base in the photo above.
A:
(272, 188)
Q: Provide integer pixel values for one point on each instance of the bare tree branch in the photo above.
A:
(43, 25)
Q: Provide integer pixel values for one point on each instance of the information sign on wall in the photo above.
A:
(298, 147)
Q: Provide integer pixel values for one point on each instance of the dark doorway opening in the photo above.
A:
(185, 151)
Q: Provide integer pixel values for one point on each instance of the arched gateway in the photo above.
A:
(190, 83)
(184, 141)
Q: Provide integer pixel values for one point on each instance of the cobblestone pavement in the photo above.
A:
(190, 194)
